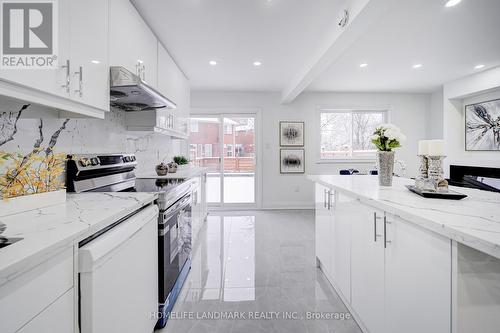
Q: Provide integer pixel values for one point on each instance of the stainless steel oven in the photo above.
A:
(174, 250)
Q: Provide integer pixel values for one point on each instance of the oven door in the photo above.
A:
(174, 243)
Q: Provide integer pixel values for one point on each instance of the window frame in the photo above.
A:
(332, 109)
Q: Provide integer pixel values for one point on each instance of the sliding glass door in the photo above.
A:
(226, 145)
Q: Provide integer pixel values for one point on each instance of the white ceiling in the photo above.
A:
(284, 34)
(235, 33)
(448, 42)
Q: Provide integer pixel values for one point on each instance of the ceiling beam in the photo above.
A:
(362, 14)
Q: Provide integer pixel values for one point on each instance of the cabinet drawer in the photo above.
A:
(25, 297)
(57, 318)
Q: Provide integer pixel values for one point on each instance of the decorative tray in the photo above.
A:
(450, 195)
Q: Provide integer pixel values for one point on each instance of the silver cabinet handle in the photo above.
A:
(80, 81)
(324, 196)
(67, 86)
(138, 69)
(329, 200)
(375, 235)
(143, 72)
(385, 232)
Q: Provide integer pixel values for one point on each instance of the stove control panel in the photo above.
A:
(100, 161)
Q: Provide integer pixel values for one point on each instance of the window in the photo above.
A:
(208, 150)
(194, 126)
(229, 150)
(228, 129)
(345, 134)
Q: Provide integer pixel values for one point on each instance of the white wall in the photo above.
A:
(408, 111)
(435, 116)
(471, 89)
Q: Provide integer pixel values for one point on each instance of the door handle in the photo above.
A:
(138, 68)
(80, 81)
(67, 86)
(375, 235)
(385, 232)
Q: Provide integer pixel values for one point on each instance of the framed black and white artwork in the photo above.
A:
(292, 161)
(292, 133)
(482, 126)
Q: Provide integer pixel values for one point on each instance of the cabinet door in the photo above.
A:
(131, 43)
(48, 80)
(174, 85)
(341, 243)
(323, 225)
(89, 50)
(418, 279)
(196, 211)
(367, 266)
(168, 76)
(56, 318)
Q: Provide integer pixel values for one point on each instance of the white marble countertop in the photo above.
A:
(473, 221)
(181, 173)
(48, 230)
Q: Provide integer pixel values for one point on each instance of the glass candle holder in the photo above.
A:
(422, 172)
(435, 173)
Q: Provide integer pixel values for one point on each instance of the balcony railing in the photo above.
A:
(231, 164)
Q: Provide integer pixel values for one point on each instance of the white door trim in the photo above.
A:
(238, 112)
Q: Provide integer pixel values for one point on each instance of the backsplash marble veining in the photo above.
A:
(81, 135)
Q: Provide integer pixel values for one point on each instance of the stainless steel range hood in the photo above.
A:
(128, 92)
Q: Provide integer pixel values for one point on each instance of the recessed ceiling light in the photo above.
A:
(452, 3)
(95, 61)
(363, 65)
(479, 66)
(416, 66)
(257, 63)
(212, 62)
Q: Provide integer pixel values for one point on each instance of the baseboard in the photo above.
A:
(300, 205)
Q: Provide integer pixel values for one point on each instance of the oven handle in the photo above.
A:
(181, 204)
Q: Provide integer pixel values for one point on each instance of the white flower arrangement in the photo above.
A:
(387, 137)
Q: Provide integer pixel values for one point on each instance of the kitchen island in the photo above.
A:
(39, 273)
(405, 263)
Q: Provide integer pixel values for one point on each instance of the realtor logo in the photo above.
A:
(29, 34)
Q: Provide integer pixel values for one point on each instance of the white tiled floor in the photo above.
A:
(257, 263)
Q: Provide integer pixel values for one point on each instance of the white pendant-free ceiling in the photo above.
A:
(413, 46)
(278, 34)
(417, 46)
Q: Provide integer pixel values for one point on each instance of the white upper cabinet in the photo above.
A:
(174, 85)
(131, 43)
(52, 81)
(89, 53)
(80, 83)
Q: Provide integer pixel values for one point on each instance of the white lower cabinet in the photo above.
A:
(323, 220)
(57, 318)
(417, 279)
(340, 242)
(367, 267)
(394, 275)
(33, 299)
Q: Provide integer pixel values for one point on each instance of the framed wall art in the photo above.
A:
(292, 133)
(482, 126)
(292, 161)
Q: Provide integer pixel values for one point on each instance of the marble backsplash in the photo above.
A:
(81, 135)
